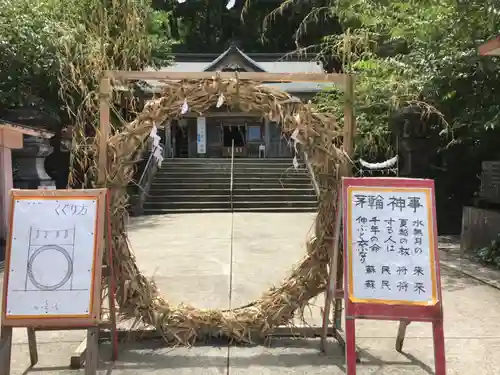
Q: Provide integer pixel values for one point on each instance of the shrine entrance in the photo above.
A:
(234, 136)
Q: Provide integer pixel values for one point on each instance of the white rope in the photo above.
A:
(383, 165)
(229, 5)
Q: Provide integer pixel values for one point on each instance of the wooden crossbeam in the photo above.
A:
(281, 331)
(121, 75)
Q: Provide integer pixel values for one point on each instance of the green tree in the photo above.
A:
(28, 55)
(425, 52)
(206, 26)
(413, 50)
(52, 52)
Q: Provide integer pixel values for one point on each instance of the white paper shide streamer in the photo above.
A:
(158, 150)
(220, 100)
(295, 140)
(157, 154)
(185, 107)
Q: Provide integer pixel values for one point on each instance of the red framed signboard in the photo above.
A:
(391, 257)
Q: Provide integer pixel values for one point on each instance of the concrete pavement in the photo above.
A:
(192, 257)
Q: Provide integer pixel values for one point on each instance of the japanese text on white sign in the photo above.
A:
(391, 245)
(201, 132)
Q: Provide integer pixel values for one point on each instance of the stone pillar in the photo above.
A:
(29, 164)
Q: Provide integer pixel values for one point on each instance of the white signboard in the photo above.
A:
(201, 132)
(391, 245)
(50, 268)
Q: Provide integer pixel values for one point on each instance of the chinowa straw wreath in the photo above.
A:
(318, 137)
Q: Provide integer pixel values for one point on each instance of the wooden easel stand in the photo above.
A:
(87, 352)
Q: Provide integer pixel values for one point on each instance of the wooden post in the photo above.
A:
(401, 334)
(32, 346)
(80, 356)
(105, 91)
(348, 143)
(110, 277)
(349, 120)
(104, 124)
(92, 355)
(5, 350)
(333, 279)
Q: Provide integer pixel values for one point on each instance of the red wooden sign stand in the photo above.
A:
(405, 313)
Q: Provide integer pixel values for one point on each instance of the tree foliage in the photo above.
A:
(206, 26)
(425, 52)
(414, 50)
(28, 55)
(52, 52)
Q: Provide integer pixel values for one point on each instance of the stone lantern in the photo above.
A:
(414, 139)
(29, 164)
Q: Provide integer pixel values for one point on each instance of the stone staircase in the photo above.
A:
(203, 185)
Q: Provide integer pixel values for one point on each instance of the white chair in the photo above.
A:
(262, 151)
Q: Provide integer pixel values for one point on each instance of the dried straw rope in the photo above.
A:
(319, 136)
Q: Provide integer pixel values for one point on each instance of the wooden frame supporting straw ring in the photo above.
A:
(343, 80)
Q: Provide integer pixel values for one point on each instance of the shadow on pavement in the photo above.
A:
(146, 222)
(152, 356)
(371, 360)
(452, 280)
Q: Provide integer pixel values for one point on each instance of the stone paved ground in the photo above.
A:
(190, 258)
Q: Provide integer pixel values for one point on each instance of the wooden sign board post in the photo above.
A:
(52, 277)
(391, 265)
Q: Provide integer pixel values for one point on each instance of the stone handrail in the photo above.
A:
(144, 184)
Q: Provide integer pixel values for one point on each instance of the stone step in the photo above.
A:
(288, 164)
(237, 179)
(206, 210)
(167, 197)
(225, 167)
(275, 184)
(216, 169)
(228, 160)
(227, 198)
(243, 177)
(163, 211)
(219, 205)
(225, 191)
(202, 185)
(227, 173)
(189, 204)
(161, 190)
(275, 198)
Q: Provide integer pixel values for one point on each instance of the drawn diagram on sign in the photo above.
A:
(50, 260)
(54, 244)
